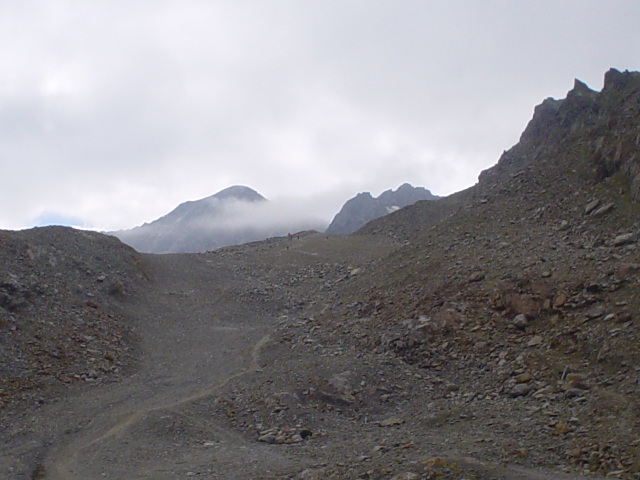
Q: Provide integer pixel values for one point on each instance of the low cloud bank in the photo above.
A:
(228, 223)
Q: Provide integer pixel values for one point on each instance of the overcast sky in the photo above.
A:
(113, 112)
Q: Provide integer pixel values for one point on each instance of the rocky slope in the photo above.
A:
(199, 225)
(363, 208)
(504, 328)
(522, 292)
(63, 310)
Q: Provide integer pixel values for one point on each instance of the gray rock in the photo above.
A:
(520, 390)
(625, 239)
(476, 277)
(406, 476)
(313, 474)
(390, 422)
(267, 438)
(574, 393)
(535, 341)
(591, 206)
(595, 311)
(626, 269)
(520, 321)
(603, 210)
(451, 387)
(575, 380)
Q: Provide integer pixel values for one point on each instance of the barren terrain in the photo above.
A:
(492, 334)
(235, 379)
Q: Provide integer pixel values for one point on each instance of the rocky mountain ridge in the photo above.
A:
(235, 215)
(363, 208)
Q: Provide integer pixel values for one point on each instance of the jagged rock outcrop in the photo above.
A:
(601, 128)
(363, 208)
(594, 135)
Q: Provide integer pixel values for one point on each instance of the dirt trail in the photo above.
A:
(196, 336)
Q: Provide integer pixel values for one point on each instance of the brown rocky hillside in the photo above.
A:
(62, 310)
(524, 288)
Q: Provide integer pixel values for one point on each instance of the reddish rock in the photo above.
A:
(524, 303)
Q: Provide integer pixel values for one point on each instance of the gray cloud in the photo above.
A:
(276, 217)
(115, 112)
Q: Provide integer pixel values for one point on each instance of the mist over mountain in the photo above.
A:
(363, 208)
(239, 214)
(233, 216)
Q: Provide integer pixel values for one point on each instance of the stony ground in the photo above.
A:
(245, 371)
(61, 312)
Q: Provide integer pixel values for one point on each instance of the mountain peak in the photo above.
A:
(363, 208)
(616, 80)
(239, 192)
(196, 225)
